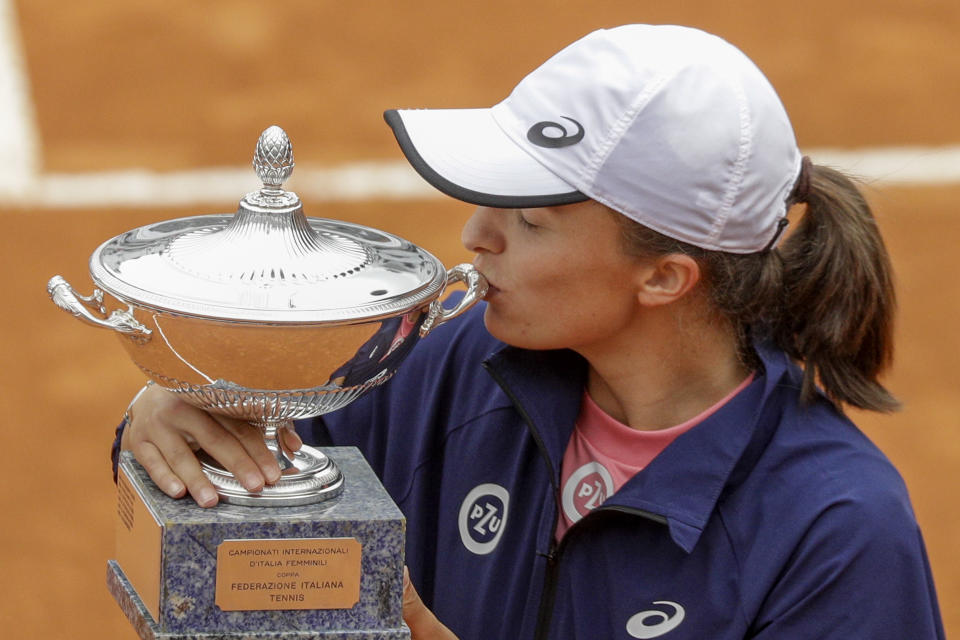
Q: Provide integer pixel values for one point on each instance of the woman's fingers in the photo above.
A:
(153, 461)
(223, 444)
(291, 439)
(182, 462)
(164, 432)
(250, 438)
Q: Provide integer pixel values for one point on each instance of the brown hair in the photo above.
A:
(825, 296)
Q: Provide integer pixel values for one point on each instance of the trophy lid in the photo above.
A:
(268, 262)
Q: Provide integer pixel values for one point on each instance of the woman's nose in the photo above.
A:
(482, 232)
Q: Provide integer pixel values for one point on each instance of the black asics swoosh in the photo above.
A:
(536, 136)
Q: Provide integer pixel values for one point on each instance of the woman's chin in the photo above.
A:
(495, 324)
(511, 333)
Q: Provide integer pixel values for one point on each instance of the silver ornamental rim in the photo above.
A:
(372, 311)
(293, 256)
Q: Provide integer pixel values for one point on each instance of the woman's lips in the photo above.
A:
(492, 289)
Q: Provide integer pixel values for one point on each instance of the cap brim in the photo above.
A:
(466, 155)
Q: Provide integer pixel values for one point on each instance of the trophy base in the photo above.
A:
(329, 571)
(311, 477)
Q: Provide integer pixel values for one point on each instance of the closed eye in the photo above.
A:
(524, 222)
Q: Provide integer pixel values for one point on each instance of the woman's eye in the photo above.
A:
(526, 224)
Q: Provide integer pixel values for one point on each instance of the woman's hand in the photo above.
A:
(423, 624)
(164, 433)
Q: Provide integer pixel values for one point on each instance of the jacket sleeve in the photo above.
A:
(115, 448)
(399, 426)
(395, 426)
(861, 571)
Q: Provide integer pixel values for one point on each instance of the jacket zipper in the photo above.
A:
(545, 611)
(547, 600)
(548, 595)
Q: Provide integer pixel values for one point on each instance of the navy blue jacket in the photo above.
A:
(768, 520)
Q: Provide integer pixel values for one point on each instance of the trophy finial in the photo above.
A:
(273, 157)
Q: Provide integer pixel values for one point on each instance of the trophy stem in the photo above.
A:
(271, 435)
(308, 475)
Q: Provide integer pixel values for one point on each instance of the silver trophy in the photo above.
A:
(267, 315)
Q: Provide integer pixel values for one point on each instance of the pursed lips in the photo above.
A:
(492, 289)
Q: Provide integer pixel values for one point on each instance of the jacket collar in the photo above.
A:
(683, 484)
(546, 388)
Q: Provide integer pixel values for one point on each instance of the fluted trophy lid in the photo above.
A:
(268, 262)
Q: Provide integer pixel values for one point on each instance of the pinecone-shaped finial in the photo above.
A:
(273, 157)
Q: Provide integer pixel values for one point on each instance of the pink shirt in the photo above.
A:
(403, 331)
(603, 454)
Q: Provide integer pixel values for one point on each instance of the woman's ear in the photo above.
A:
(667, 279)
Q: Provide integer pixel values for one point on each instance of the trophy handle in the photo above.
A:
(476, 290)
(65, 297)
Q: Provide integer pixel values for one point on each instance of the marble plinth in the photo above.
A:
(189, 541)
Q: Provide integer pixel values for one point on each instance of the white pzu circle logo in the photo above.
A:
(483, 516)
(586, 489)
(654, 623)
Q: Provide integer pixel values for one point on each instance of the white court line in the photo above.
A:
(19, 148)
(22, 184)
(397, 181)
(895, 165)
(225, 186)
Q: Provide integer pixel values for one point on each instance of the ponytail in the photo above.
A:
(839, 300)
(825, 296)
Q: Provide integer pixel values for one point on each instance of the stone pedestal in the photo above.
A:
(181, 570)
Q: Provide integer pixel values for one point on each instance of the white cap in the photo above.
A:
(671, 126)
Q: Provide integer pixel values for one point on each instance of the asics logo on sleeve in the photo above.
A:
(654, 623)
(553, 135)
(483, 517)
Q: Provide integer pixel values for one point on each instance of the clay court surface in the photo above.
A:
(175, 85)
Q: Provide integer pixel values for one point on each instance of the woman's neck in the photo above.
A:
(665, 373)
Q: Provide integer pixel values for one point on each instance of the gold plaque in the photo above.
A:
(300, 573)
(138, 543)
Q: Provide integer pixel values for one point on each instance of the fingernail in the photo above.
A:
(273, 474)
(175, 489)
(207, 498)
(253, 481)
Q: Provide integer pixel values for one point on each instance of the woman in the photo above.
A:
(621, 443)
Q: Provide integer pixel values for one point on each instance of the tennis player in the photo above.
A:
(641, 433)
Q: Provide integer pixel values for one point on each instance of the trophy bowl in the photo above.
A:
(267, 316)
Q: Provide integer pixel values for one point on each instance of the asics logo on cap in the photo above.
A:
(537, 134)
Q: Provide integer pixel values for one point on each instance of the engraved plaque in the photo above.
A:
(304, 573)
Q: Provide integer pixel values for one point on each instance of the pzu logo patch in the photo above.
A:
(483, 517)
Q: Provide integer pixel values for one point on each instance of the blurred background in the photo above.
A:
(117, 114)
